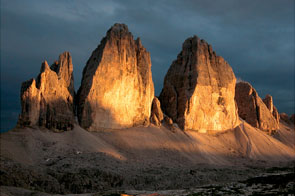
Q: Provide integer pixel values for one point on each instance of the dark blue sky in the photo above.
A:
(255, 37)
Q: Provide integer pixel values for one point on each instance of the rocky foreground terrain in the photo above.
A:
(205, 134)
(147, 159)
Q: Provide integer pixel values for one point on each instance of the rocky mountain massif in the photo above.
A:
(117, 88)
(200, 91)
(49, 100)
(200, 94)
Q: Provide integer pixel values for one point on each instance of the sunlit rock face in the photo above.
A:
(268, 101)
(199, 89)
(48, 101)
(156, 112)
(117, 88)
(253, 110)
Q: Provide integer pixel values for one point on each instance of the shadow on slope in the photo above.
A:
(148, 144)
(79, 161)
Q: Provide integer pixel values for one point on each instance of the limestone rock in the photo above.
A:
(48, 101)
(284, 117)
(199, 89)
(269, 104)
(156, 112)
(117, 88)
(276, 114)
(253, 110)
(154, 120)
(168, 121)
(292, 119)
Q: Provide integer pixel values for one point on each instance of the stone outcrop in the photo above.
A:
(48, 101)
(269, 104)
(117, 88)
(289, 120)
(199, 89)
(253, 110)
(156, 112)
(154, 120)
(169, 122)
(276, 114)
(284, 117)
(292, 119)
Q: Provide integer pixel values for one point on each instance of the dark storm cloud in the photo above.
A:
(255, 37)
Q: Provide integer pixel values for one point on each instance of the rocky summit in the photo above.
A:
(48, 101)
(253, 110)
(117, 88)
(199, 89)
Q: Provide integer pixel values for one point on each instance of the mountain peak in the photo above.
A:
(199, 89)
(49, 100)
(117, 88)
(118, 30)
(119, 27)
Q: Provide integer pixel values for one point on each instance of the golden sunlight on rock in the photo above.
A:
(117, 88)
(268, 101)
(156, 112)
(48, 101)
(199, 89)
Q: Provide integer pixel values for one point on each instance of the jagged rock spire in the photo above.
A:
(48, 101)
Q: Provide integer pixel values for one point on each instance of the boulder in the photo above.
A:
(117, 88)
(156, 112)
(253, 110)
(48, 101)
(199, 89)
(169, 123)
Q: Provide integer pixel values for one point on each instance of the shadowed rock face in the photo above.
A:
(253, 110)
(284, 117)
(48, 101)
(117, 88)
(199, 89)
(292, 119)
